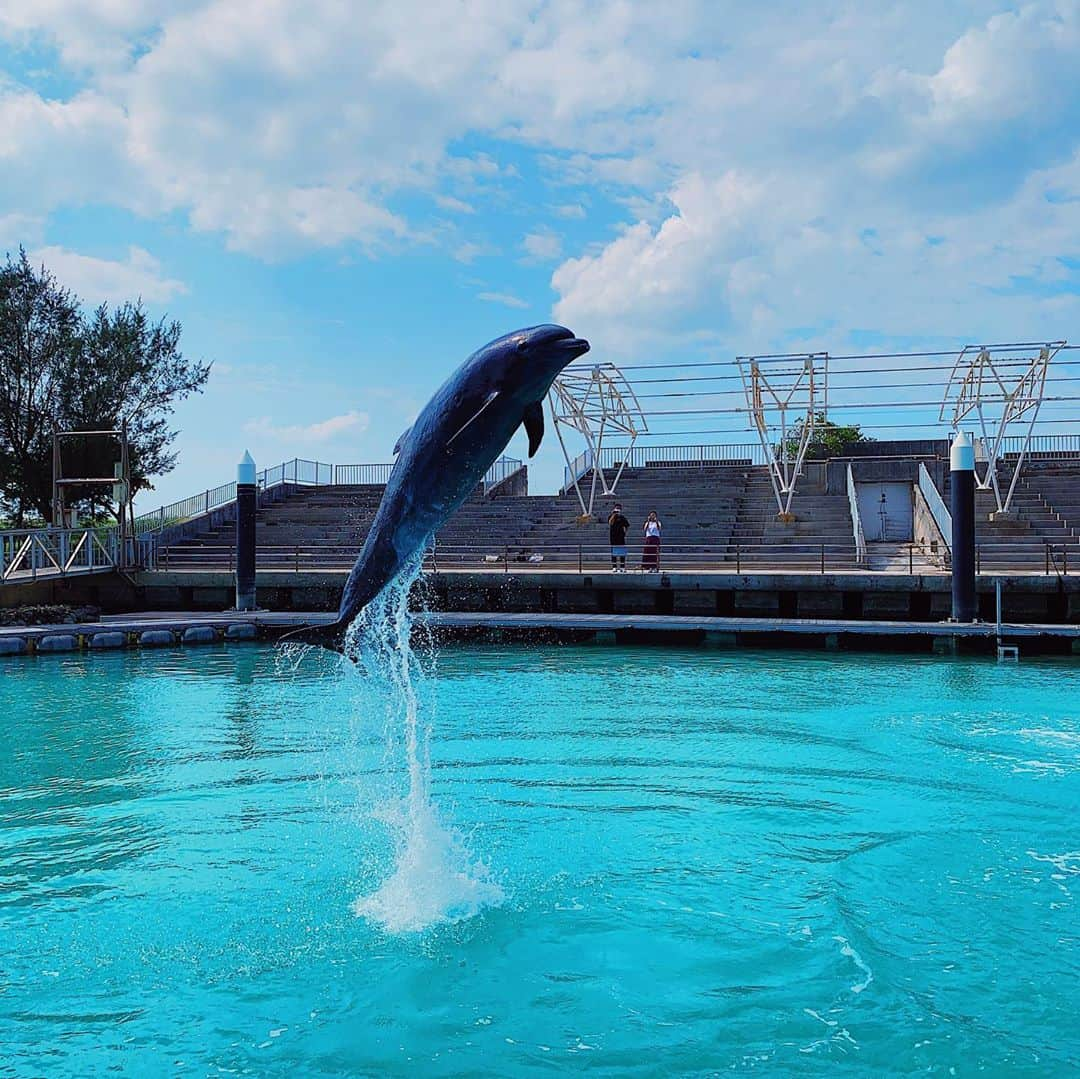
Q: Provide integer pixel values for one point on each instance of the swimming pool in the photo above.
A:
(672, 862)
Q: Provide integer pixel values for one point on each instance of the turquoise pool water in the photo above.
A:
(648, 862)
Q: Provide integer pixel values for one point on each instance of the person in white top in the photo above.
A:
(650, 558)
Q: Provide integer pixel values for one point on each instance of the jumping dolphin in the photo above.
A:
(446, 452)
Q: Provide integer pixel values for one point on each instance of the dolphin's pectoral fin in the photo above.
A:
(401, 440)
(534, 425)
(473, 418)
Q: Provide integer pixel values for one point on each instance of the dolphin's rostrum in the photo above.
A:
(444, 455)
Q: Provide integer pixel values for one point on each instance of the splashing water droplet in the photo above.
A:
(435, 877)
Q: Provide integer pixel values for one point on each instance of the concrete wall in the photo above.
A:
(517, 483)
(109, 591)
(900, 447)
(1028, 598)
(787, 595)
(881, 470)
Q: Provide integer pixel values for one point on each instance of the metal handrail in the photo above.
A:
(1042, 447)
(856, 518)
(362, 475)
(689, 456)
(31, 553)
(731, 557)
(297, 471)
(300, 473)
(501, 470)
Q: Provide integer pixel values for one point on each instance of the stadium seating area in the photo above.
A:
(1039, 527)
(721, 515)
(714, 515)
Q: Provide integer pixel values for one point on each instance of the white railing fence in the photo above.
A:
(299, 473)
(1042, 447)
(856, 518)
(501, 470)
(26, 554)
(296, 471)
(936, 504)
(362, 475)
(689, 456)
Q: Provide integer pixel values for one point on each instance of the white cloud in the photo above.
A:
(755, 259)
(771, 167)
(19, 230)
(275, 224)
(97, 280)
(54, 153)
(637, 284)
(99, 34)
(454, 205)
(543, 246)
(353, 422)
(505, 298)
(469, 251)
(1010, 85)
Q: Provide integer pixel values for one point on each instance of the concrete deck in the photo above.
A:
(168, 627)
(565, 577)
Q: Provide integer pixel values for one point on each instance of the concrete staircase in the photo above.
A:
(1056, 490)
(713, 515)
(1020, 541)
(822, 525)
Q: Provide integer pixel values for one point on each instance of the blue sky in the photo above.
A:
(339, 202)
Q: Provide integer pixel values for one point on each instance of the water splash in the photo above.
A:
(435, 877)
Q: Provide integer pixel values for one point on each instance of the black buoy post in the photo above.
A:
(962, 505)
(246, 500)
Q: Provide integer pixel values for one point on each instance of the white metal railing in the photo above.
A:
(936, 504)
(689, 456)
(502, 469)
(856, 518)
(300, 473)
(26, 554)
(296, 471)
(362, 475)
(593, 556)
(1046, 558)
(1042, 447)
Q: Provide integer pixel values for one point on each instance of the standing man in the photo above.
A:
(617, 528)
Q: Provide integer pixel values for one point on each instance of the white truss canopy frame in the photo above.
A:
(785, 394)
(596, 402)
(1000, 386)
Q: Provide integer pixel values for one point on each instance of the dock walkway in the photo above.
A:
(163, 628)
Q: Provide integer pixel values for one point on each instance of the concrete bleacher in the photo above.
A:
(822, 527)
(1056, 487)
(1034, 523)
(712, 514)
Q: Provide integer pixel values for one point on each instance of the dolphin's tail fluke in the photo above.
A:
(330, 636)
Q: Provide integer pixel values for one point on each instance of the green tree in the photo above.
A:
(61, 369)
(828, 439)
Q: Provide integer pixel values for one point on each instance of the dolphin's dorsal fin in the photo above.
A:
(473, 418)
(534, 425)
(401, 439)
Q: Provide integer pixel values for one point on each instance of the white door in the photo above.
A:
(886, 511)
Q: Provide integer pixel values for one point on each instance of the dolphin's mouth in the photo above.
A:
(564, 341)
(557, 345)
(576, 346)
